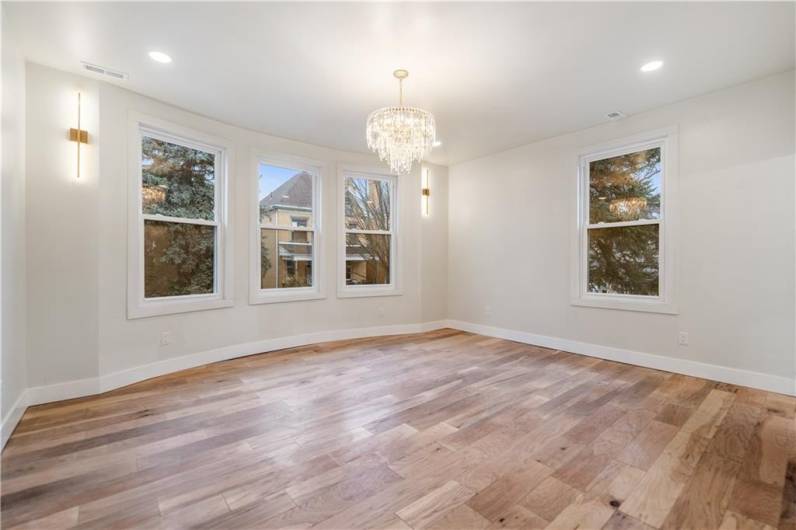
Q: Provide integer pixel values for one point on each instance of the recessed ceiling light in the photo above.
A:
(651, 66)
(160, 57)
(436, 143)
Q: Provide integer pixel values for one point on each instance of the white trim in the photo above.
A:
(183, 220)
(665, 302)
(646, 304)
(12, 418)
(95, 385)
(620, 224)
(137, 305)
(258, 295)
(394, 288)
(725, 374)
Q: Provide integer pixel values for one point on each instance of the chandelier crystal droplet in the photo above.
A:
(401, 135)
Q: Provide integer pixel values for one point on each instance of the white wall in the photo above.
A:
(512, 215)
(14, 376)
(62, 227)
(78, 327)
(434, 262)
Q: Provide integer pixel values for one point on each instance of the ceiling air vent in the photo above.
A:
(616, 115)
(101, 70)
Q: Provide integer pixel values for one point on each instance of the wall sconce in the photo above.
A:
(78, 135)
(425, 191)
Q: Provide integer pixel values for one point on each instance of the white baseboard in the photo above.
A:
(86, 387)
(167, 366)
(95, 385)
(724, 374)
(12, 418)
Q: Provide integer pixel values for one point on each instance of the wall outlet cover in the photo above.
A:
(682, 338)
(166, 338)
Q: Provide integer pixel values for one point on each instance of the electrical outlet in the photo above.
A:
(682, 338)
(166, 338)
(487, 310)
(380, 311)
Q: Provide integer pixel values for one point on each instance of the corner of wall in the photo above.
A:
(13, 369)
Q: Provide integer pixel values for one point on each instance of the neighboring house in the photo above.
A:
(291, 205)
(288, 205)
(362, 267)
(367, 254)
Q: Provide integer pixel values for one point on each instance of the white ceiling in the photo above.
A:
(495, 75)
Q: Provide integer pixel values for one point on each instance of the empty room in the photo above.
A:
(398, 265)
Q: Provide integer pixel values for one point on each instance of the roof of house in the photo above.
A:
(295, 192)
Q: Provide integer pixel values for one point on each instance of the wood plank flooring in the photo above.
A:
(436, 430)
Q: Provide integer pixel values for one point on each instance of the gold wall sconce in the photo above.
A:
(425, 191)
(78, 135)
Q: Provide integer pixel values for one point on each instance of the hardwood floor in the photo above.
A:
(436, 430)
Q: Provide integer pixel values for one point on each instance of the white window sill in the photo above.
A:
(277, 296)
(152, 308)
(367, 290)
(624, 304)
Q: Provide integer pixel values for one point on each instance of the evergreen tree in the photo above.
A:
(624, 188)
(178, 181)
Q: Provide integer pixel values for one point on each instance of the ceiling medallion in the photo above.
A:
(401, 135)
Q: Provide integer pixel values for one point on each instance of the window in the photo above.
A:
(625, 194)
(368, 235)
(287, 231)
(177, 223)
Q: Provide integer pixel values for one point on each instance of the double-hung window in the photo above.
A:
(178, 252)
(287, 231)
(625, 259)
(368, 239)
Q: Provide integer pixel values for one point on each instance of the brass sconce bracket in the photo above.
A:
(425, 191)
(78, 135)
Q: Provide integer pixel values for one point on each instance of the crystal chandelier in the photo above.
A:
(401, 135)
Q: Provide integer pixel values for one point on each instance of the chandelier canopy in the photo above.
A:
(401, 135)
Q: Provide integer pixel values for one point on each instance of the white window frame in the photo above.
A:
(138, 306)
(667, 141)
(258, 295)
(354, 291)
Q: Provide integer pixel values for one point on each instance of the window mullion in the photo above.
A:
(622, 224)
(288, 228)
(374, 232)
(181, 220)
